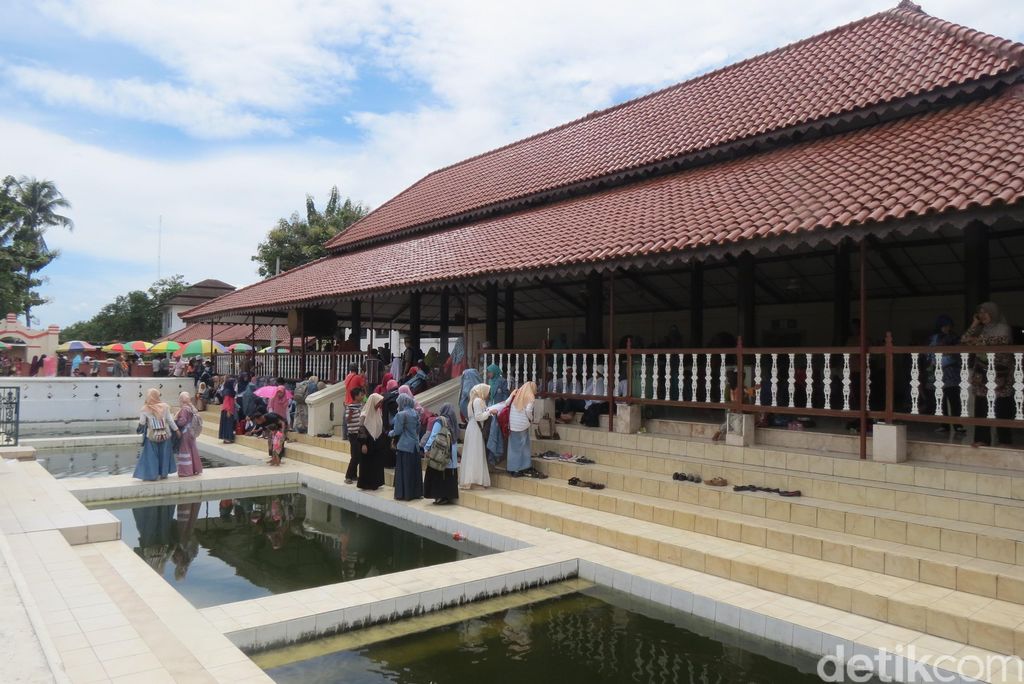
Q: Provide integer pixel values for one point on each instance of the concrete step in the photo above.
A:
(330, 458)
(897, 559)
(947, 613)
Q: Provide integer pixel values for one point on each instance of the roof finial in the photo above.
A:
(910, 6)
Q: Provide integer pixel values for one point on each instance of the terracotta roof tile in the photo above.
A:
(226, 333)
(942, 162)
(888, 56)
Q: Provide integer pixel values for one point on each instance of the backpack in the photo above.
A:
(440, 453)
(196, 424)
(301, 390)
(157, 431)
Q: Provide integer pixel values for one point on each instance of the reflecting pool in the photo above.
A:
(591, 636)
(101, 461)
(257, 544)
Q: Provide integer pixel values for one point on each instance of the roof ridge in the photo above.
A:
(912, 13)
(250, 285)
(597, 113)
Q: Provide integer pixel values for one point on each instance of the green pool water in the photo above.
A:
(254, 545)
(591, 636)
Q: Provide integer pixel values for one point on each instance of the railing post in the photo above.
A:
(889, 379)
(737, 401)
(629, 368)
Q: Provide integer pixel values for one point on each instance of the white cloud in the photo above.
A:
(492, 72)
(197, 113)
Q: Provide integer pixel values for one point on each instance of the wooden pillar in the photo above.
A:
(697, 304)
(491, 325)
(976, 275)
(443, 351)
(746, 313)
(841, 293)
(414, 319)
(510, 318)
(595, 311)
(357, 321)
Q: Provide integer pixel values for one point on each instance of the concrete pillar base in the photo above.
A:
(889, 443)
(18, 453)
(739, 429)
(628, 418)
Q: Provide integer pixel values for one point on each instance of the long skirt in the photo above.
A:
(441, 484)
(408, 478)
(519, 453)
(188, 459)
(371, 465)
(388, 457)
(495, 443)
(301, 419)
(473, 469)
(156, 460)
(227, 426)
(355, 447)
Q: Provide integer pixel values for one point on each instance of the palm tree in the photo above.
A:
(40, 201)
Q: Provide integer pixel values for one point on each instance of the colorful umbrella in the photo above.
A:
(268, 391)
(270, 350)
(3, 345)
(239, 347)
(164, 347)
(136, 346)
(75, 345)
(202, 348)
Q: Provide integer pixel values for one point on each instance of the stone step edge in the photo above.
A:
(612, 472)
(995, 626)
(940, 568)
(1007, 486)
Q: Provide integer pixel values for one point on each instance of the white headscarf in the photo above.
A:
(371, 418)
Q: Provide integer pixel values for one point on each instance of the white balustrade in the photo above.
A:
(915, 383)
(707, 380)
(774, 379)
(809, 381)
(826, 380)
(693, 377)
(792, 380)
(654, 391)
(757, 379)
(990, 385)
(846, 382)
(643, 376)
(939, 384)
(965, 385)
(724, 380)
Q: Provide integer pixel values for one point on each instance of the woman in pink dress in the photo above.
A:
(188, 421)
(278, 403)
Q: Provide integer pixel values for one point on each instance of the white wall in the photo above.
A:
(65, 400)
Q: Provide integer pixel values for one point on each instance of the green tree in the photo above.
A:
(20, 253)
(296, 241)
(40, 202)
(132, 316)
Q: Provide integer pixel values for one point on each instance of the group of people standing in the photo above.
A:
(168, 440)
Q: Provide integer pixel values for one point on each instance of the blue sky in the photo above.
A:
(220, 116)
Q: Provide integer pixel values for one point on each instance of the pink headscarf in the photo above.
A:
(392, 384)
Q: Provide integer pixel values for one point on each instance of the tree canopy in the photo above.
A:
(132, 316)
(296, 241)
(28, 207)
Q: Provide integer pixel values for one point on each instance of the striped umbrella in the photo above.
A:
(136, 346)
(164, 347)
(239, 347)
(202, 348)
(75, 345)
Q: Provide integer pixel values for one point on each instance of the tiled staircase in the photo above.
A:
(924, 546)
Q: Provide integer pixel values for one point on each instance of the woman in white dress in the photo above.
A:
(473, 469)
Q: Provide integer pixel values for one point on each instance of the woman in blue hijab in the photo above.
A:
(470, 379)
(499, 393)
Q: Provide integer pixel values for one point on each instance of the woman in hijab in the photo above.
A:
(443, 485)
(34, 367)
(157, 458)
(430, 358)
(383, 386)
(372, 443)
(989, 328)
(279, 403)
(187, 457)
(406, 429)
(520, 421)
(389, 409)
(456, 363)
(226, 431)
(499, 393)
(248, 402)
(473, 470)
(470, 379)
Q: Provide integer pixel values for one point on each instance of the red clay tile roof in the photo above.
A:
(226, 333)
(886, 57)
(940, 163)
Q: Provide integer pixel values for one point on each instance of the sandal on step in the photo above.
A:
(743, 488)
(717, 482)
(795, 492)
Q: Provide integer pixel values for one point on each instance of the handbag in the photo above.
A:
(504, 415)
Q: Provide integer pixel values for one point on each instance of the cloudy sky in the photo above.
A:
(220, 116)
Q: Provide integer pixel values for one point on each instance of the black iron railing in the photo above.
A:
(10, 409)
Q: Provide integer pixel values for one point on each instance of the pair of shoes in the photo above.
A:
(743, 488)
(516, 473)
(686, 477)
(442, 502)
(795, 492)
(583, 460)
(577, 482)
(717, 482)
(348, 481)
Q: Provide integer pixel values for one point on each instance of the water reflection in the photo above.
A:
(101, 462)
(240, 548)
(591, 637)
